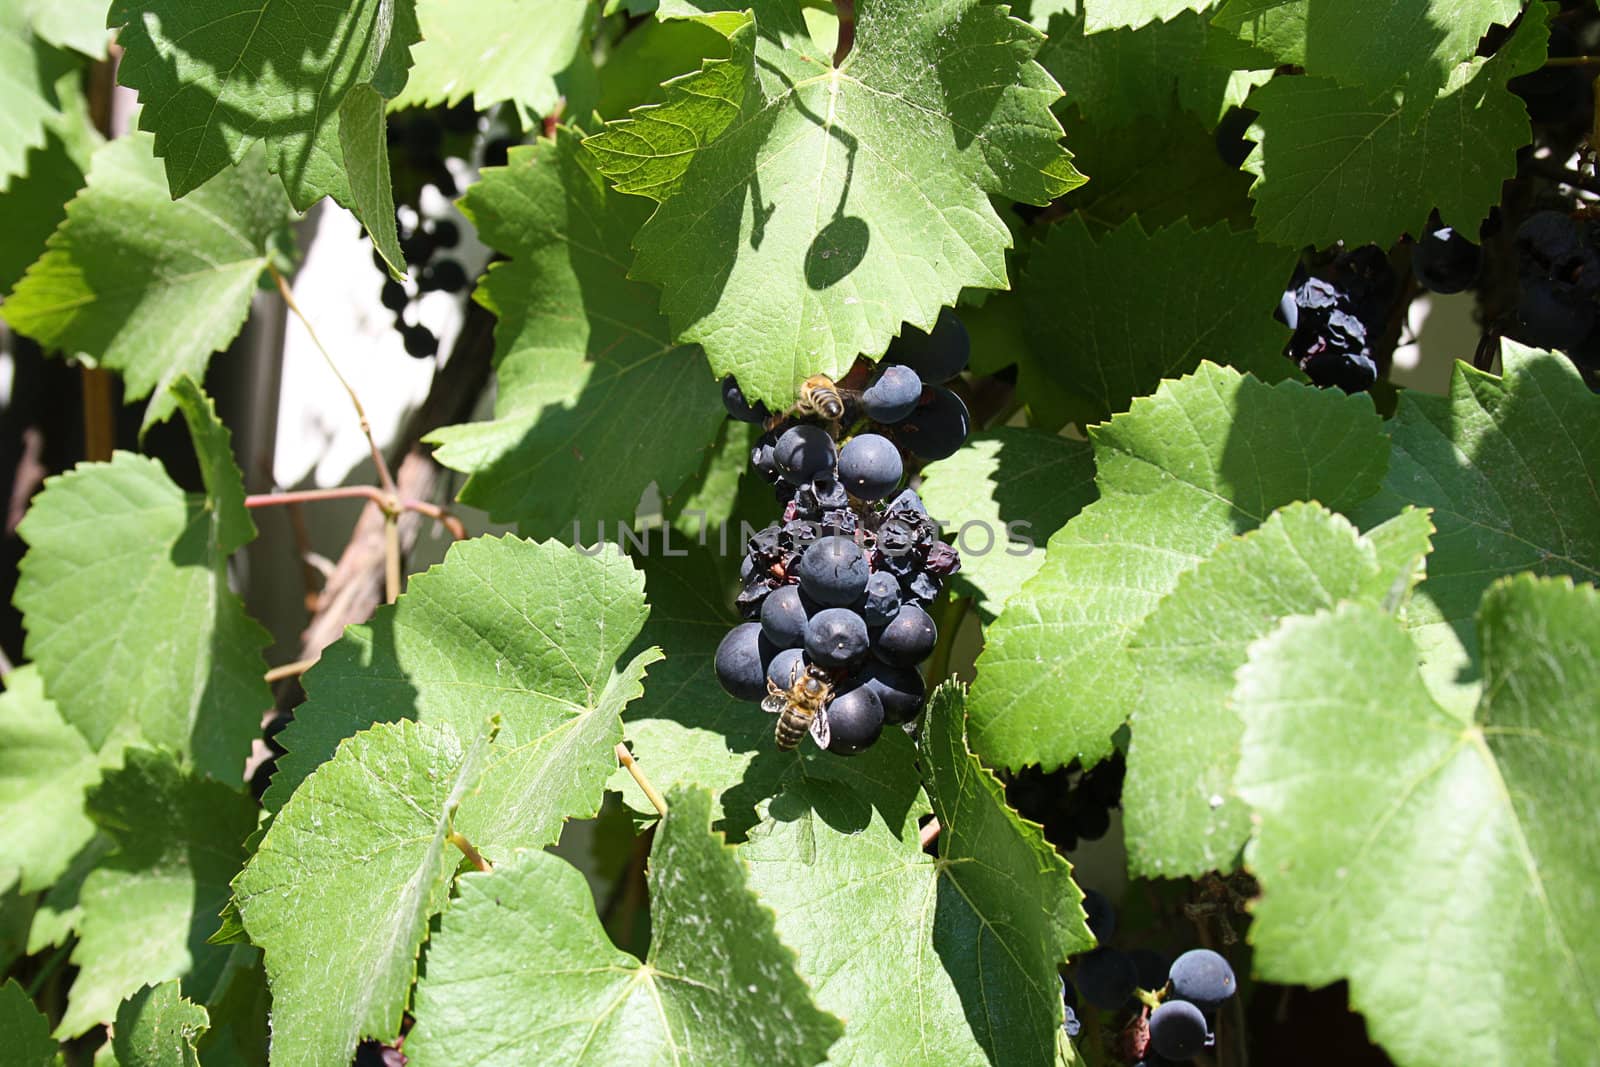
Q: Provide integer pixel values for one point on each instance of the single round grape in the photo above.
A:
(803, 452)
(908, 639)
(1444, 261)
(881, 602)
(900, 690)
(740, 666)
(836, 638)
(870, 466)
(833, 571)
(783, 617)
(1106, 978)
(1178, 1030)
(419, 341)
(417, 248)
(1551, 318)
(761, 456)
(893, 396)
(394, 296)
(738, 407)
(1548, 237)
(445, 275)
(935, 430)
(446, 234)
(937, 356)
(855, 720)
(1102, 917)
(1151, 967)
(785, 668)
(1202, 977)
(907, 501)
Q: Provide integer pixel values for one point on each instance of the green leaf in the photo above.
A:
(712, 497)
(363, 137)
(583, 359)
(146, 285)
(113, 546)
(1008, 489)
(302, 58)
(869, 183)
(76, 24)
(1423, 41)
(1332, 164)
(340, 891)
(1205, 458)
(1114, 14)
(61, 910)
(535, 630)
(717, 986)
(650, 54)
(1180, 816)
(45, 769)
(495, 51)
(1508, 493)
(1088, 306)
(24, 1031)
(950, 960)
(34, 205)
(28, 71)
(157, 1027)
(1434, 859)
(149, 906)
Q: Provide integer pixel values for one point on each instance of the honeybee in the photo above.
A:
(800, 707)
(820, 396)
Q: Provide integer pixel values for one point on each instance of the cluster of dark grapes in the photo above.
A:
(1334, 313)
(1072, 805)
(843, 583)
(1189, 989)
(1558, 286)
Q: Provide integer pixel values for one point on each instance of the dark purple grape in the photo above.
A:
(394, 296)
(803, 452)
(900, 689)
(1444, 261)
(855, 721)
(938, 428)
(446, 234)
(741, 409)
(834, 571)
(908, 639)
(1552, 316)
(417, 247)
(822, 493)
(1151, 967)
(893, 395)
(444, 275)
(1202, 977)
(937, 356)
(1102, 917)
(740, 662)
(785, 668)
(761, 453)
(924, 586)
(907, 502)
(870, 466)
(783, 617)
(1178, 1030)
(1106, 978)
(419, 341)
(881, 602)
(1091, 824)
(836, 639)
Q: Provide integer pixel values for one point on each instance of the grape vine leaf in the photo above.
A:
(1087, 309)
(340, 890)
(1131, 14)
(112, 546)
(495, 51)
(583, 358)
(1508, 493)
(34, 206)
(158, 1027)
(29, 68)
(217, 79)
(1180, 816)
(651, 53)
(1006, 482)
(1423, 42)
(1432, 857)
(61, 910)
(535, 630)
(45, 769)
(950, 960)
(24, 1031)
(1332, 164)
(1207, 457)
(717, 986)
(147, 285)
(150, 904)
(76, 24)
(868, 184)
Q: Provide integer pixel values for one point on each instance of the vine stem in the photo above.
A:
(1573, 61)
(364, 492)
(930, 832)
(476, 858)
(626, 759)
(846, 10)
(289, 670)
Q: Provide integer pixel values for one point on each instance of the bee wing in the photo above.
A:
(819, 729)
(774, 703)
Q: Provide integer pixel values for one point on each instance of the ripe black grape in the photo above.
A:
(803, 452)
(881, 602)
(419, 341)
(444, 275)
(783, 617)
(740, 408)
(1444, 261)
(1101, 916)
(836, 638)
(1106, 978)
(1202, 977)
(1151, 967)
(908, 639)
(739, 662)
(1330, 338)
(446, 234)
(855, 720)
(870, 466)
(1550, 315)
(1178, 1030)
(834, 571)
(937, 428)
(937, 356)
(785, 668)
(893, 395)
(900, 689)
(394, 296)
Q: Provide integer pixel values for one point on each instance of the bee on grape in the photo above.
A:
(799, 708)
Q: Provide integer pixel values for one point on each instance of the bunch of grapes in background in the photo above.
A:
(1336, 313)
(844, 581)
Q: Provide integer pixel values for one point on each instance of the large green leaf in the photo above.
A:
(1434, 859)
(147, 285)
(1510, 467)
(157, 1027)
(1423, 40)
(216, 79)
(45, 769)
(24, 1031)
(340, 891)
(528, 631)
(1089, 318)
(495, 51)
(1112, 14)
(1002, 495)
(1205, 458)
(950, 960)
(29, 68)
(126, 578)
(868, 185)
(1333, 164)
(75, 24)
(717, 986)
(34, 205)
(595, 400)
(1180, 816)
(150, 905)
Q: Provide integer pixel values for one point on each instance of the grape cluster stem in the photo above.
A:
(626, 759)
